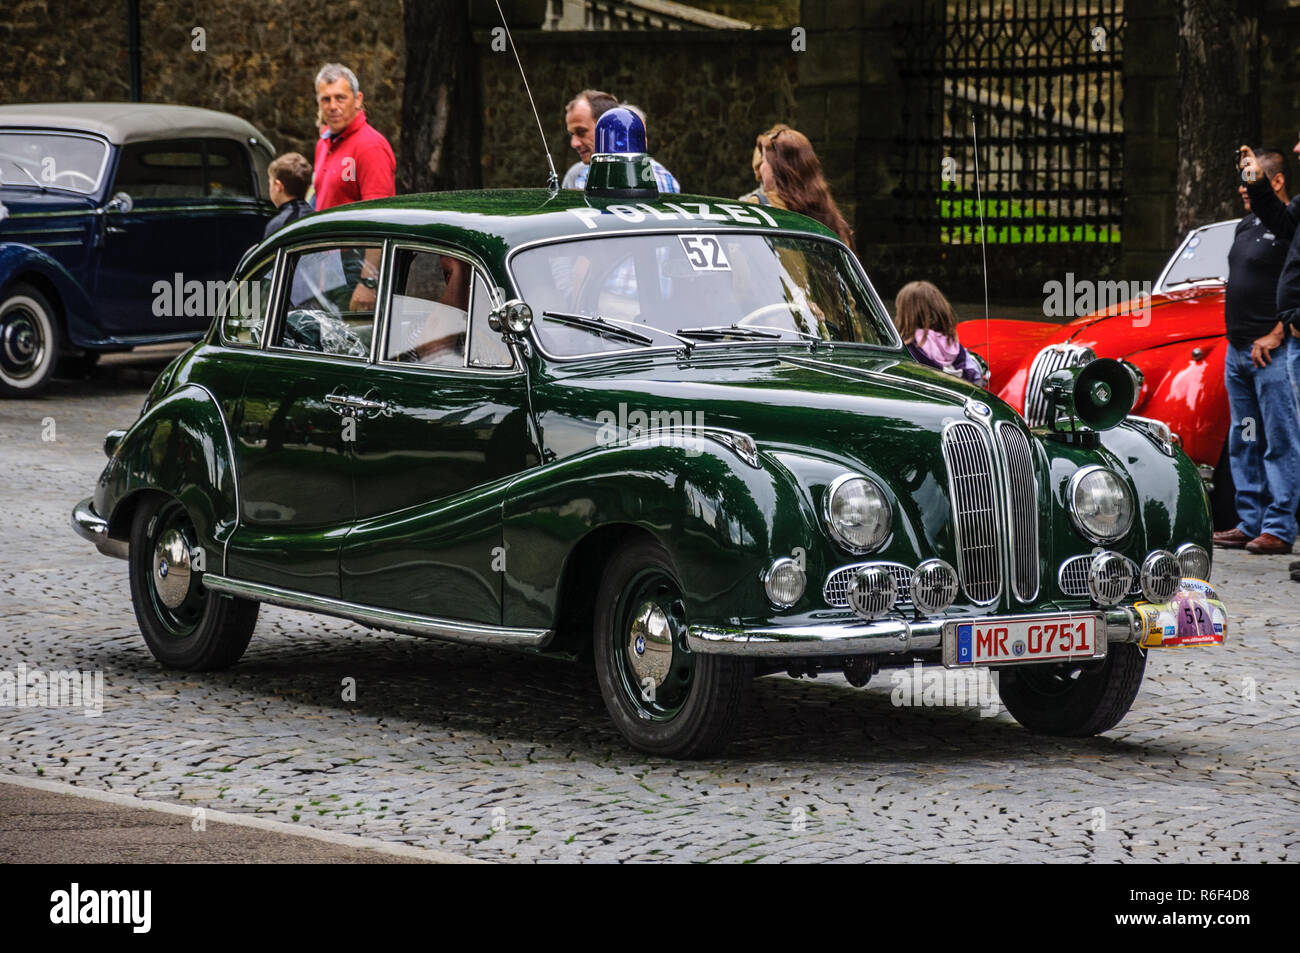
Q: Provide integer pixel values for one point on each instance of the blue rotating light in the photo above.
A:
(620, 131)
(620, 167)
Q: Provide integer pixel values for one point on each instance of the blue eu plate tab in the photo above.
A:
(964, 656)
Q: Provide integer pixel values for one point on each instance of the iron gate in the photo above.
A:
(1041, 81)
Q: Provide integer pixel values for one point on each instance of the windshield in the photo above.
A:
(51, 161)
(1204, 255)
(630, 291)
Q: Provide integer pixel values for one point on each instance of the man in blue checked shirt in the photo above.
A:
(580, 117)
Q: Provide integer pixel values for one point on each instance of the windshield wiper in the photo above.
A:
(25, 171)
(613, 327)
(1192, 281)
(720, 331)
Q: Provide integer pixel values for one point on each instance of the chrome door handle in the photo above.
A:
(362, 403)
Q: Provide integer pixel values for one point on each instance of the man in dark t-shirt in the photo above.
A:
(1264, 439)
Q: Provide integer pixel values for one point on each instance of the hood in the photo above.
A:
(1172, 317)
(871, 407)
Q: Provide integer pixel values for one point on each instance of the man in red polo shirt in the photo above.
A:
(354, 162)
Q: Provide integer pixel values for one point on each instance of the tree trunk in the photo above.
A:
(1218, 108)
(441, 99)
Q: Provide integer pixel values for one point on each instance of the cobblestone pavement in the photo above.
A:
(504, 757)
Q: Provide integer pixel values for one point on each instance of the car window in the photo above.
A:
(428, 314)
(720, 288)
(486, 347)
(170, 169)
(51, 161)
(229, 173)
(247, 302)
(1203, 256)
(329, 306)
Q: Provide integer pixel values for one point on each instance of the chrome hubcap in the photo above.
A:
(650, 643)
(171, 568)
(22, 346)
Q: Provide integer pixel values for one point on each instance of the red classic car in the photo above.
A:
(1175, 341)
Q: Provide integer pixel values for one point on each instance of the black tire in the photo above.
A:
(693, 711)
(30, 341)
(1074, 700)
(77, 364)
(202, 632)
(1223, 499)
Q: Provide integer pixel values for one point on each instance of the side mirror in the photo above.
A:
(513, 317)
(120, 202)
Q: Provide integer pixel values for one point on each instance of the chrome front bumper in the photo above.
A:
(90, 526)
(886, 637)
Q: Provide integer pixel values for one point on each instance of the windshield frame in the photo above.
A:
(1160, 287)
(802, 343)
(67, 134)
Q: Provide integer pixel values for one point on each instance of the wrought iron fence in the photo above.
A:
(1040, 82)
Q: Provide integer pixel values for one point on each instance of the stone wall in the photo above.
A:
(706, 95)
(258, 62)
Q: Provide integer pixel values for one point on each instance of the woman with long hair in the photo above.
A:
(792, 178)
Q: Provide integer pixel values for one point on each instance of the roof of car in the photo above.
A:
(490, 223)
(130, 122)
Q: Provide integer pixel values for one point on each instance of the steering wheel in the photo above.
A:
(73, 172)
(765, 312)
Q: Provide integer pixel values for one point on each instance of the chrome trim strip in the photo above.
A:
(452, 630)
(851, 637)
(93, 528)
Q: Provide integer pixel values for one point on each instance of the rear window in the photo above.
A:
(185, 169)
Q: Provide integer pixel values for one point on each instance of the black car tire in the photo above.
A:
(700, 714)
(30, 341)
(206, 630)
(1074, 700)
(77, 364)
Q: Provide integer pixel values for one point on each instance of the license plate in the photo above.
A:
(1013, 640)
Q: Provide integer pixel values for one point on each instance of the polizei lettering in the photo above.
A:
(677, 212)
(103, 906)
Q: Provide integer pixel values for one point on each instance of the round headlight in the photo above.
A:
(857, 513)
(1194, 560)
(784, 582)
(1100, 504)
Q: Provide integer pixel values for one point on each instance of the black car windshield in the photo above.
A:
(51, 161)
(729, 287)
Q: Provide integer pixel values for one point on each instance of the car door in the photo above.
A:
(192, 213)
(301, 415)
(432, 464)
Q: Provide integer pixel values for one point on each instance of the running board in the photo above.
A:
(451, 630)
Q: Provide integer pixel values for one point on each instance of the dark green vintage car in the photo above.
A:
(680, 434)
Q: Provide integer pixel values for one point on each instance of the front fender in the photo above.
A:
(1188, 394)
(713, 513)
(180, 446)
(19, 262)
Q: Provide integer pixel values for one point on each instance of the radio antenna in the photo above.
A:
(979, 204)
(553, 181)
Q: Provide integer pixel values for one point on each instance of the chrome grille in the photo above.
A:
(970, 477)
(836, 590)
(1022, 494)
(1073, 576)
(1050, 359)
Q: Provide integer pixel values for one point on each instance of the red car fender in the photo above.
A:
(1188, 394)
